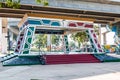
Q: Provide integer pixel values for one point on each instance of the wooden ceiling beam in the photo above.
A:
(11, 15)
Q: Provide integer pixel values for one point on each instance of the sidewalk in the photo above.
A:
(85, 71)
(110, 76)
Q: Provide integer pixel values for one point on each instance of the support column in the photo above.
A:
(0, 35)
(27, 41)
(66, 45)
(49, 42)
(99, 35)
(11, 38)
(104, 38)
(4, 35)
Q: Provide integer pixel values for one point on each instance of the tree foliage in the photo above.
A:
(79, 37)
(41, 40)
(16, 3)
(55, 39)
(44, 2)
(96, 29)
(10, 3)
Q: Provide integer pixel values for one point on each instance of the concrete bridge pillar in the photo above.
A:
(3, 39)
(99, 35)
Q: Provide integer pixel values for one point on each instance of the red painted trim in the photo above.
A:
(72, 25)
(80, 23)
(89, 26)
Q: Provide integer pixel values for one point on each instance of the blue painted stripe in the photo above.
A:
(34, 22)
(46, 21)
(55, 24)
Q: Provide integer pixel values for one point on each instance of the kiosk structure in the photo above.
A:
(42, 24)
(32, 25)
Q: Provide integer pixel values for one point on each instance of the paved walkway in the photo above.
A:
(92, 71)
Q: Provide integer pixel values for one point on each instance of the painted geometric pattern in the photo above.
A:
(66, 44)
(19, 43)
(24, 26)
(56, 23)
(20, 38)
(44, 22)
(94, 42)
(28, 40)
(80, 24)
(29, 31)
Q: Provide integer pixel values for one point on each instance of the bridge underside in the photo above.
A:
(61, 13)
